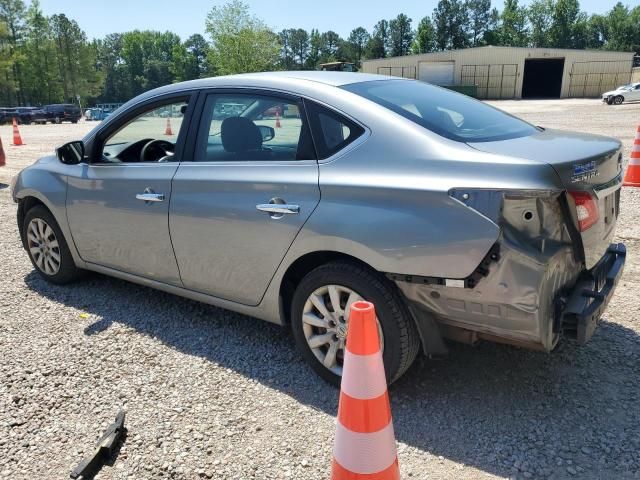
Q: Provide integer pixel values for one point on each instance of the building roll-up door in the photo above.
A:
(438, 73)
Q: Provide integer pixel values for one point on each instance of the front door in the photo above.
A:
(236, 209)
(118, 205)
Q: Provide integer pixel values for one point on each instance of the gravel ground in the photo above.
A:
(214, 394)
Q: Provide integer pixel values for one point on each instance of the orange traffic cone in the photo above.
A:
(278, 119)
(3, 157)
(17, 139)
(168, 130)
(632, 176)
(365, 446)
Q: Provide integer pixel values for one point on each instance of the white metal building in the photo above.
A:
(513, 72)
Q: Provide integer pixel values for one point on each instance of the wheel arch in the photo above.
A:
(24, 205)
(305, 264)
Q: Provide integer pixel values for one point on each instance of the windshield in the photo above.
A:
(449, 114)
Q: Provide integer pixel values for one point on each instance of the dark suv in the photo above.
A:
(63, 112)
(27, 115)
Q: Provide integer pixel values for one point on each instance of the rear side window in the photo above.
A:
(253, 127)
(331, 131)
(446, 113)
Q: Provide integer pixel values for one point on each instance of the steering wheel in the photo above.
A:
(162, 150)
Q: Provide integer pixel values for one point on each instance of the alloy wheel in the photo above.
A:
(325, 322)
(43, 246)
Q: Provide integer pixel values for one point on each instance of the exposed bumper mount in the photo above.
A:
(578, 313)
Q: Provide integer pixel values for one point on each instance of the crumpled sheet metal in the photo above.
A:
(516, 300)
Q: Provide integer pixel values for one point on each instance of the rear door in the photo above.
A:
(236, 209)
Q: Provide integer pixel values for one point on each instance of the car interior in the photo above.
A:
(235, 132)
(250, 134)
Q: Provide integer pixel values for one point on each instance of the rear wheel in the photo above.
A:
(47, 248)
(57, 120)
(618, 100)
(320, 311)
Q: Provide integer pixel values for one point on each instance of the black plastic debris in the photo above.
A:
(106, 446)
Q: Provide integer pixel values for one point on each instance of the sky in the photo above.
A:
(185, 17)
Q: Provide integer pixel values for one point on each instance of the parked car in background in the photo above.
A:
(7, 115)
(96, 114)
(28, 115)
(455, 219)
(624, 93)
(63, 112)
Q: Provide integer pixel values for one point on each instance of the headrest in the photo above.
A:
(239, 134)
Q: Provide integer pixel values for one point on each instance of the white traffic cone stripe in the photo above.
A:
(634, 161)
(365, 453)
(363, 375)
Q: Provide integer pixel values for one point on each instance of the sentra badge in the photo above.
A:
(584, 171)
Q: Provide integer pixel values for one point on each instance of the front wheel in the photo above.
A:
(618, 100)
(320, 312)
(47, 248)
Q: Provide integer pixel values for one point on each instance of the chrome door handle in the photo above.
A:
(278, 209)
(150, 197)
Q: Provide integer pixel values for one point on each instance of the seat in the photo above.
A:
(242, 138)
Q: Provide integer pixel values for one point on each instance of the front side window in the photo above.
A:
(246, 127)
(149, 137)
(446, 113)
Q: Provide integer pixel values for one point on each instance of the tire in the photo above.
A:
(66, 271)
(74, 121)
(400, 337)
(618, 100)
(57, 120)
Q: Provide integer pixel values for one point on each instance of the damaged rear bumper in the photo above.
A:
(580, 310)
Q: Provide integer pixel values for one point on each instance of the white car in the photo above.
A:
(625, 93)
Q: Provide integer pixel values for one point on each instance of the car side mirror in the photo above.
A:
(71, 153)
(268, 133)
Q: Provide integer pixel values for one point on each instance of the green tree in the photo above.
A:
(240, 42)
(374, 48)
(300, 46)
(197, 54)
(479, 12)
(540, 16)
(315, 49)
(76, 60)
(330, 42)
(513, 25)
(623, 28)
(425, 40)
(39, 75)
(492, 34)
(286, 55)
(7, 86)
(117, 85)
(358, 40)
(563, 26)
(451, 22)
(380, 45)
(400, 35)
(12, 14)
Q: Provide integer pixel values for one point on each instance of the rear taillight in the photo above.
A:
(586, 210)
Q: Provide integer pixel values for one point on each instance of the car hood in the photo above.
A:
(581, 160)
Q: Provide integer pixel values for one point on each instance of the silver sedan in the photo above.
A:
(288, 196)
